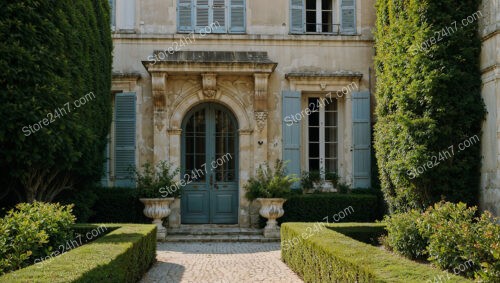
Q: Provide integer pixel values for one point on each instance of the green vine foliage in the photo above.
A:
(428, 99)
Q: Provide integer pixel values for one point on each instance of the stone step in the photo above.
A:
(218, 238)
(214, 231)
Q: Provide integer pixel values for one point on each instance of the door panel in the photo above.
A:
(209, 161)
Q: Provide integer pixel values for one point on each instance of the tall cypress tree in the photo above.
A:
(428, 101)
(53, 53)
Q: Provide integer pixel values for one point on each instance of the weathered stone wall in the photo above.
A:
(490, 68)
(268, 31)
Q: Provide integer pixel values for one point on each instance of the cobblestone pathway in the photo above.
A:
(219, 262)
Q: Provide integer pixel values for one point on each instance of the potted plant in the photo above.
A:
(270, 188)
(311, 181)
(156, 189)
(331, 181)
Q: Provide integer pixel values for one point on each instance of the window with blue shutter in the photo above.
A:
(322, 16)
(291, 133)
(348, 16)
(124, 139)
(361, 138)
(297, 16)
(211, 16)
(185, 16)
(237, 16)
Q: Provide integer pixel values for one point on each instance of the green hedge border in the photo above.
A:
(329, 256)
(122, 255)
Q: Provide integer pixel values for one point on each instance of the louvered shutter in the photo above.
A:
(218, 19)
(237, 16)
(124, 139)
(184, 16)
(202, 14)
(348, 16)
(291, 133)
(361, 139)
(297, 16)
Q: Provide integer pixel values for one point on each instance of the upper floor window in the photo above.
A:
(122, 15)
(323, 16)
(221, 16)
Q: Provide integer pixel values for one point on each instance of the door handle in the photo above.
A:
(211, 180)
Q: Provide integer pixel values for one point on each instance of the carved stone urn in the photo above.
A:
(272, 209)
(157, 209)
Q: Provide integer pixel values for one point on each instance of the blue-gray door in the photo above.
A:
(209, 166)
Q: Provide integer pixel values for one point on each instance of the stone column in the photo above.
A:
(160, 141)
(245, 167)
(260, 115)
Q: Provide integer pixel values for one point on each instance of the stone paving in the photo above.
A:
(219, 262)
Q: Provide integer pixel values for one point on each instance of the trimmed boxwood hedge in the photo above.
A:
(123, 255)
(315, 207)
(329, 256)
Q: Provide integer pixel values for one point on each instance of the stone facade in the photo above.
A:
(167, 89)
(167, 86)
(490, 69)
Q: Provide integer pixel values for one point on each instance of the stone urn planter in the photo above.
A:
(157, 209)
(272, 209)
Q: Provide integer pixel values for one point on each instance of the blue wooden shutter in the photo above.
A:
(291, 132)
(348, 16)
(237, 16)
(297, 16)
(361, 137)
(127, 14)
(184, 16)
(124, 139)
(202, 14)
(218, 19)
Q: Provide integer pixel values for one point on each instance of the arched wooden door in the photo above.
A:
(209, 166)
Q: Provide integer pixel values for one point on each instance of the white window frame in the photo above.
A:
(322, 142)
(319, 17)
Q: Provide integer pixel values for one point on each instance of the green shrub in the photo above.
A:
(118, 205)
(403, 235)
(328, 256)
(457, 238)
(53, 53)
(120, 256)
(83, 201)
(316, 207)
(31, 231)
(422, 96)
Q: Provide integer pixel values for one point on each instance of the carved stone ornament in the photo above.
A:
(209, 84)
(260, 119)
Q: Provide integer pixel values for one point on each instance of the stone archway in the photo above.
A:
(195, 81)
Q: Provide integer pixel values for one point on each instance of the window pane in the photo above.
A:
(330, 150)
(311, 4)
(331, 119)
(331, 165)
(326, 4)
(326, 18)
(313, 149)
(331, 105)
(330, 134)
(313, 165)
(314, 134)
